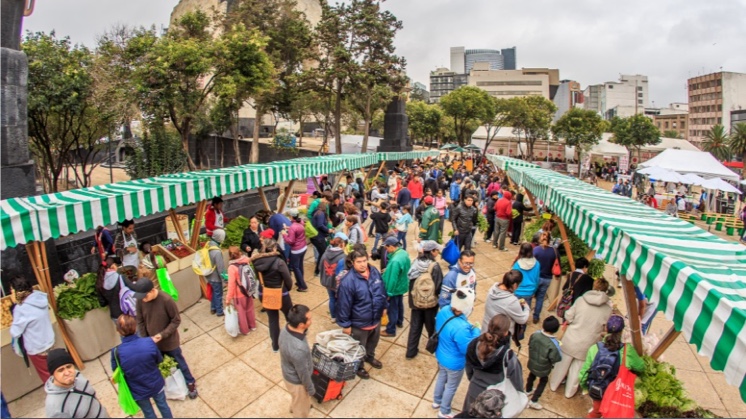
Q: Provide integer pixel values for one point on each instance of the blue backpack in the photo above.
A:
(603, 371)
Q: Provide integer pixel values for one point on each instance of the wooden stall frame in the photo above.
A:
(263, 197)
(200, 212)
(175, 220)
(664, 343)
(285, 197)
(633, 315)
(316, 184)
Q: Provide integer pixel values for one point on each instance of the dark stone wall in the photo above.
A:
(210, 148)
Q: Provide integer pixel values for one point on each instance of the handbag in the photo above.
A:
(231, 321)
(516, 399)
(566, 299)
(126, 401)
(432, 343)
(557, 268)
(310, 230)
(271, 297)
(450, 252)
(619, 397)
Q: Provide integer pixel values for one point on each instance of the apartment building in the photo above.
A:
(712, 98)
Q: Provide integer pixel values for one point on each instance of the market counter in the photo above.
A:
(187, 283)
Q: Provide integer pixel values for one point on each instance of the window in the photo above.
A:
(683, 124)
(673, 124)
(610, 86)
(639, 101)
(666, 124)
(639, 88)
(639, 95)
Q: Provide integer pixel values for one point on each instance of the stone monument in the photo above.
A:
(395, 127)
(16, 167)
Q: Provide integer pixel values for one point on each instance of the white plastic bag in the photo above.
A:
(516, 399)
(231, 321)
(176, 387)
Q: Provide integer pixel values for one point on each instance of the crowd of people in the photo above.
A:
(365, 301)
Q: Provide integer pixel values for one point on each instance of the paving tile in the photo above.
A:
(378, 401)
(188, 330)
(264, 361)
(273, 404)
(203, 355)
(458, 398)
(29, 403)
(729, 394)
(199, 313)
(424, 410)
(419, 371)
(232, 387)
(544, 413)
(107, 395)
(314, 297)
(725, 414)
(700, 389)
(680, 355)
(95, 372)
(39, 412)
(189, 408)
(240, 343)
(326, 407)
(105, 362)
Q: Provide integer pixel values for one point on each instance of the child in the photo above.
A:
(543, 353)
(402, 225)
(380, 220)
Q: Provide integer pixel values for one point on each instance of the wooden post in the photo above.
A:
(568, 249)
(380, 169)
(201, 206)
(591, 255)
(285, 197)
(263, 198)
(174, 219)
(339, 180)
(632, 313)
(533, 201)
(203, 286)
(316, 184)
(667, 340)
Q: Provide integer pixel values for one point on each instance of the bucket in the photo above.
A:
(719, 226)
(710, 220)
(730, 230)
(704, 216)
(303, 198)
(183, 221)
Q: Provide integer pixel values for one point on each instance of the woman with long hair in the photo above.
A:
(501, 299)
(251, 240)
(529, 268)
(485, 357)
(31, 321)
(238, 295)
(295, 237)
(108, 286)
(332, 258)
(274, 272)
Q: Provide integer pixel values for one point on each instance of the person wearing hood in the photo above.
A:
(238, 295)
(460, 275)
(215, 218)
(215, 278)
(531, 270)
(501, 299)
(585, 326)
(108, 286)
(490, 204)
(503, 217)
(396, 282)
(275, 274)
(431, 220)
(69, 393)
(330, 261)
(485, 359)
(423, 316)
(31, 323)
(455, 333)
(517, 214)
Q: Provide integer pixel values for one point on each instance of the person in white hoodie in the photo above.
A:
(31, 323)
(585, 322)
(502, 300)
(69, 393)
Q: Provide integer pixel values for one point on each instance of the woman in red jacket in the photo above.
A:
(238, 296)
(416, 188)
(214, 217)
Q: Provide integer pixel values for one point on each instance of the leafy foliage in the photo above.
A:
(671, 134)
(596, 268)
(738, 142)
(580, 128)
(469, 106)
(482, 224)
(167, 365)
(717, 143)
(74, 301)
(234, 231)
(635, 132)
(158, 153)
(531, 117)
(424, 120)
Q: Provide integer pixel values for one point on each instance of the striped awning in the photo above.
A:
(504, 162)
(39, 218)
(406, 155)
(697, 279)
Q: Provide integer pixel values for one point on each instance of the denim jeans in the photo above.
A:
(402, 236)
(375, 242)
(332, 303)
(445, 387)
(395, 313)
(217, 297)
(181, 363)
(415, 203)
(541, 292)
(296, 266)
(160, 401)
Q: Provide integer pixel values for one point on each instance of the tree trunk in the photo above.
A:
(254, 154)
(300, 133)
(185, 144)
(222, 151)
(236, 147)
(338, 122)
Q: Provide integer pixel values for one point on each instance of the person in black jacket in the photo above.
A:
(490, 203)
(429, 251)
(579, 280)
(515, 239)
(485, 357)
(321, 223)
(107, 287)
(251, 240)
(464, 218)
(275, 274)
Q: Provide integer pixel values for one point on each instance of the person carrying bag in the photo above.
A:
(126, 401)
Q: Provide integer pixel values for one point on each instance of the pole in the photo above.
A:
(667, 340)
(632, 313)
(111, 164)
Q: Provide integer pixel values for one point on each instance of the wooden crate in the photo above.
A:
(184, 262)
(172, 262)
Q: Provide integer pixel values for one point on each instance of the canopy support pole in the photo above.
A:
(197, 223)
(667, 340)
(380, 169)
(285, 197)
(264, 199)
(632, 313)
(566, 242)
(174, 220)
(37, 252)
(339, 180)
(533, 201)
(316, 184)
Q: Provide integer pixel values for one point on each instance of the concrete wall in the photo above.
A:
(211, 148)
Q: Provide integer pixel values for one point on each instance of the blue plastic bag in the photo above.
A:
(450, 252)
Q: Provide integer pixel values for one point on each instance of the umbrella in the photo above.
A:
(692, 179)
(661, 174)
(720, 185)
(472, 147)
(457, 150)
(449, 147)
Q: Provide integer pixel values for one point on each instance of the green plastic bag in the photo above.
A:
(126, 401)
(167, 286)
(311, 231)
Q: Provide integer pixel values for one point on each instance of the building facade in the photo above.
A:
(509, 58)
(568, 96)
(510, 83)
(592, 98)
(627, 97)
(491, 56)
(419, 90)
(444, 81)
(712, 98)
(458, 60)
(463, 60)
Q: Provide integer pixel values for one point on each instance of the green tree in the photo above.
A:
(498, 117)
(418, 94)
(532, 116)
(738, 143)
(469, 106)
(424, 120)
(580, 128)
(159, 152)
(717, 142)
(636, 132)
(670, 134)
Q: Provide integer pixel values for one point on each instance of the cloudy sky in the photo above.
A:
(590, 41)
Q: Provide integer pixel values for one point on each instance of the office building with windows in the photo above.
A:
(444, 81)
(512, 83)
(463, 60)
(712, 98)
(626, 97)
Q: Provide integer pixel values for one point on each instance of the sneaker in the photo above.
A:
(363, 374)
(374, 363)
(387, 334)
(302, 289)
(448, 416)
(276, 350)
(220, 314)
(212, 311)
(504, 250)
(487, 241)
(436, 406)
(536, 320)
(400, 325)
(193, 393)
(535, 405)
(334, 320)
(529, 393)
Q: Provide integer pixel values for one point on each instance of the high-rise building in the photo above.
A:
(592, 98)
(462, 59)
(712, 98)
(491, 56)
(444, 81)
(513, 83)
(509, 58)
(458, 60)
(419, 91)
(568, 96)
(627, 97)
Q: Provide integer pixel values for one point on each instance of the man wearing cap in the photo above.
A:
(430, 225)
(158, 318)
(215, 278)
(464, 218)
(69, 394)
(397, 284)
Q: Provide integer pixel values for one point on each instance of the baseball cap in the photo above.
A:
(429, 246)
(141, 288)
(428, 200)
(267, 234)
(615, 324)
(341, 235)
(391, 241)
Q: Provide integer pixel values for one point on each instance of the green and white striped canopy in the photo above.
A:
(504, 162)
(39, 218)
(697, 279)
(406, 155)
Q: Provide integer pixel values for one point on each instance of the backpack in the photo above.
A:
(202, 265)
(310, 230)
(127, 301)
(248, 284)
(603, 371)
(423, 290)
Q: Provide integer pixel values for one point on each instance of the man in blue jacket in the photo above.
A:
(278, 222)
(455, 191)
(361, 302)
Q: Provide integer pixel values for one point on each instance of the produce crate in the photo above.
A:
(171, 231)
(335, 370)
(183, 253)
(6, 317)
(172, 262)
(94, 334)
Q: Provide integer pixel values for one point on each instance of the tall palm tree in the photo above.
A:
(738, 143)
(716, 142)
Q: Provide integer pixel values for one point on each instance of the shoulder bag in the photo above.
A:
(271, 297)
(557, 268)
(432, 343)
(126, 401)
(566, 300)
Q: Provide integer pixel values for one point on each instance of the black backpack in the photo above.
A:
(603, 371)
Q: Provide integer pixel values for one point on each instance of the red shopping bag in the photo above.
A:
(619, 397)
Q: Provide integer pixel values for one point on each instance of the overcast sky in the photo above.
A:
(590, 41)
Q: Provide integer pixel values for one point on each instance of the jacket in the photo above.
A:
(234, 278)
(330, 260)
(296, 236)
(211, 216)
(582, 283)
(464, 218)
(483, 374)
(395, 277)
(530, 269)
(274, 270)
(490, 204)
(139, 359)
(634, 362)
(455, 191)
(543, 353)
(456, 278)
(77, 402)
(586, 318)
(356, 234)
(360, 301)
(454, 338)
(110, 296)
(416, 269)
(321, 223)
(31, 320)
(404, 197)
(251, 240)
(381, 220)
(277, 223)
(504, 302)
(440, 204)
(504, 207)
(160, 315)
(546, 257)
(432, 184)
(430, 225)
(216, 258)
(295, 360)
(416, 188)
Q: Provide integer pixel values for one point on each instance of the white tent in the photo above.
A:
(692, 179)
(670, 143)
(700, 163)
(604, 148)
(720, 185)
(353, 144)
(661, 174)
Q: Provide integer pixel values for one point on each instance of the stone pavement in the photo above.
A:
(241, 377)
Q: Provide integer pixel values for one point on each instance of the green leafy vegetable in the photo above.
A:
(167, 365)
(234, 231)
(74, 301)
(482, 224)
